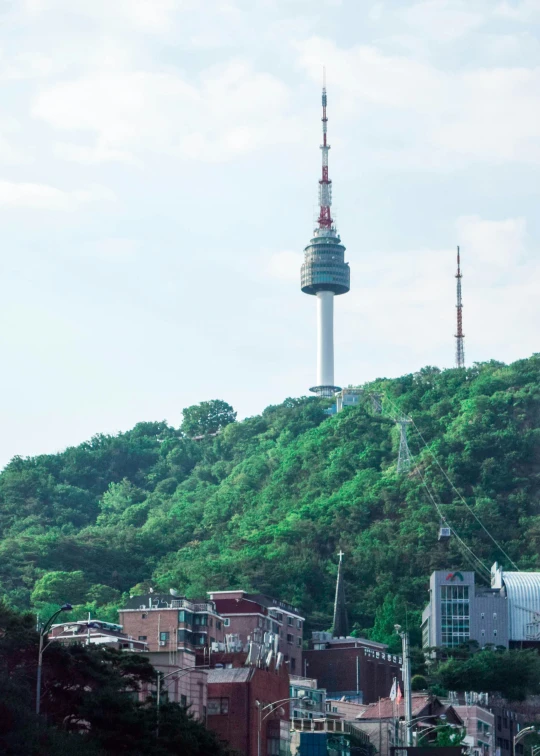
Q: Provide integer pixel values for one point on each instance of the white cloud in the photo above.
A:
(154, 16)
(494, 246)
(524, 11)
(229, 110)
(414, 112)
(285, 265)
(111, 250)
(413, 293)
(45, 197)
(442, 20)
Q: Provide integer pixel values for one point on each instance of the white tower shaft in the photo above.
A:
(325, 338)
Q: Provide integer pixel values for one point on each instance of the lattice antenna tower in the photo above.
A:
(460, 350)
(404, 455)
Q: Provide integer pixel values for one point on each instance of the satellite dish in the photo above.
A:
(173, 591)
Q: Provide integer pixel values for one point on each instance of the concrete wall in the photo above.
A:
(345, 670)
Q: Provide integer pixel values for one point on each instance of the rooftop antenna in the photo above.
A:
(460, 351)
(404, 455)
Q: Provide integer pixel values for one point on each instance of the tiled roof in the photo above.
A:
(386, 709)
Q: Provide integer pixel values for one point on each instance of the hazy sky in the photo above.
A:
(159, 162)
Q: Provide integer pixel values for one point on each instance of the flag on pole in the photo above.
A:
(398, 694)
(393, 692)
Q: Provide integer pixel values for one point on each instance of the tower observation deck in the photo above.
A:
(325, 273)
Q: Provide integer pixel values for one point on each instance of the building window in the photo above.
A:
(293, 664)
(144, 615)
(261, 622)
(455, 615)
(164, 637)
(290, 621)
(218, 706)
(299, 624)
(200, 619)
(185, 636)
(482, 615)
(185, 617)
(290, 638)
(210, 622)
(483, 632)
(494, 632)
(218, 624)
(226, 621)
(183, 700)
(142, 637)
(494, 615)
(299, 641)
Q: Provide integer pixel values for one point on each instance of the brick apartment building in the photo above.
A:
(237, 695)
(169, 623)
(253, 614)
(356, 668)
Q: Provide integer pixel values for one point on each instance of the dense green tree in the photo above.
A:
(60, 588)
(513, 674)
(207, 417)
(89, 702)
(267, 503)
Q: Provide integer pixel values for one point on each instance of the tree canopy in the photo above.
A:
(89, 701)
(207, 417)
(267, 503)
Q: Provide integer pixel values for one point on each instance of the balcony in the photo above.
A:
(186, 604)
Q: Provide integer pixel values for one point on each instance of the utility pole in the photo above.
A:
(406, 683)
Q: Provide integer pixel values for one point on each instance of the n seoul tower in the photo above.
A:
(325, 273)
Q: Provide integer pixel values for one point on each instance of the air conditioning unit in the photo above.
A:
(163, 643)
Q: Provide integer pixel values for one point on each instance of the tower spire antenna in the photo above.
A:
(325, 185)
(324, 271)
(460, 350)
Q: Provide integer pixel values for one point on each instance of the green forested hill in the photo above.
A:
(266, 504)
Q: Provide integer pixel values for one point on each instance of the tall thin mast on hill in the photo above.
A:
(324, 272)
(340, 624)
(460, 351)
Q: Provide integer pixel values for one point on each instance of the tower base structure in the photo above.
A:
(325, 391)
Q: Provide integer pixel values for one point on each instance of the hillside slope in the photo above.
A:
(267, 503)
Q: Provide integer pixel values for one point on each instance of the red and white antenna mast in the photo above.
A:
(325, 185)
(460, 351)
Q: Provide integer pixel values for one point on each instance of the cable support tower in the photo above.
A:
(404, 462)
(460, 349)
(452, 486)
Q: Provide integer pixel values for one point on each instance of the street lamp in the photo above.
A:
(161, 677)
(432, 729)
(262, 708)
(43, 630)
(521, 734)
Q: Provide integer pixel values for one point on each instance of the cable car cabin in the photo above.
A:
(444, 534)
